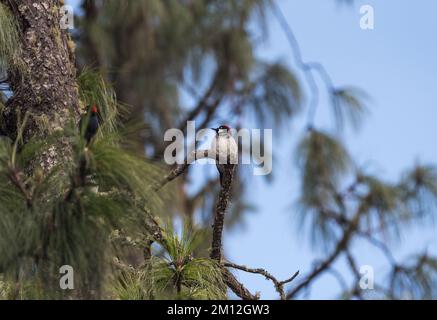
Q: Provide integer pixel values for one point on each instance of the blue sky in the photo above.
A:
(395, 63)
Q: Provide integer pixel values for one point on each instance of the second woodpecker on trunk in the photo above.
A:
(226, 149)
(89, 124)
(88, 127)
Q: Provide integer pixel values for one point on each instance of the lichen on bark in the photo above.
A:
(45, 84)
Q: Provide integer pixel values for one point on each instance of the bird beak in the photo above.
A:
(215, 129)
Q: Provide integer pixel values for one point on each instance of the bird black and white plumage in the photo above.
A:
(225, 146)
(88, 127)
(89, 124)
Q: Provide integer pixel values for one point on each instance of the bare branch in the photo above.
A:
(152, 226)
(316, 272)
(355, 292)
(279, 285)
(237, 287)
(339, 249)
(195, 155)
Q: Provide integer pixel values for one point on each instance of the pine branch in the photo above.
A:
(154, 229)
(355, 292)
(325, 265)
(279, 285)
(195, 155)
(238, 288)
(222, 204)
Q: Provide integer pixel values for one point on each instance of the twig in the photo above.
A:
(195, 155)
(279, 285)
(352, 264)
(355, 292)
(153, 228)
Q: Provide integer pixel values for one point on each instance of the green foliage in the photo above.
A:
(381, 205)
(174, 273)
(94, 90)
(416, 280)
(388, 206)
(187, 277)
(349, 104)
(131, 284)
(9, 40)
(323, 161)
(70, 226)
(26, 289)
(115, 167)
(419, 191)
(66, 215)
(275, 96)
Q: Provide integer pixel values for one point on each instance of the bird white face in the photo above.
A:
(222, 132)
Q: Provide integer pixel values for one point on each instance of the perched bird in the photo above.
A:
(226, 148)
(89, 124)
(88, 127)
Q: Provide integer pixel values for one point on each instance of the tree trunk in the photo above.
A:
(219, 217)
(44, 83)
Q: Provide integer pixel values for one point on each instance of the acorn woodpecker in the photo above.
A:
(91, 121)
(226, 148)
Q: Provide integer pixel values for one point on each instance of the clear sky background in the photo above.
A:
(396, 64)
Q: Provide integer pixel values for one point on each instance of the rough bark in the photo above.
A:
(279, 285)
(44, 84)
(238, 288)
(219, 218)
